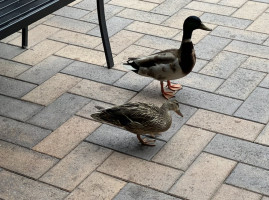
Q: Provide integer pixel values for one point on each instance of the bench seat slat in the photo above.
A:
(5, 3)
(15, 6)
(22, 11)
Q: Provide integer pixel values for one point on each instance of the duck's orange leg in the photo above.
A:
(167, 95)
(174, 87)
(145, 141)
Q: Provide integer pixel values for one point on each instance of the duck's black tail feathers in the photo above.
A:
(131, 65)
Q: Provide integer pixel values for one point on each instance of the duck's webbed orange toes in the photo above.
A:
(173, 87)
(168, 95)
(146, 141)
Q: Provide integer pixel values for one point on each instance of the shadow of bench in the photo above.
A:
(17, 15)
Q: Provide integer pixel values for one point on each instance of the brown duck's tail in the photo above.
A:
(106, 117)
(96, 116)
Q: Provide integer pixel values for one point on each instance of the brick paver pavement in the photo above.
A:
(50, 147)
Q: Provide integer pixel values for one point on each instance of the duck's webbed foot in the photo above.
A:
(167, 95)
(146, 141)
(173, 87)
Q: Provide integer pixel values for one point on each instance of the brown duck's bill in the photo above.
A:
(204, 27)
(179, 113)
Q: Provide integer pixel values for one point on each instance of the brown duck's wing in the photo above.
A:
(139, 112)
(127, 114)
(163, 57)
(145, 120)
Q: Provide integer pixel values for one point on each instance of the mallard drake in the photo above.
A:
(172, 63)
(140, 118)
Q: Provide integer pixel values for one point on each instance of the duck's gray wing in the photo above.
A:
(163, 57)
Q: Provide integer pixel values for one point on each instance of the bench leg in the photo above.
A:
(103, 30)
(25, 37)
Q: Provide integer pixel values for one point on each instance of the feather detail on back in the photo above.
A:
(139, 118)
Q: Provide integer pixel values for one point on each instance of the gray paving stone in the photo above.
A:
(239, 150)
(200, 81)
(267, 41)
(199, 65)
(45, 69)
(212, 8)
(14, 88)
(208, 100)
(71, 12)
(237, 3)
(263, 1)
(263, 137)
(224, 64)
(143, 16)
(210, 46)
(157, 42)
(59, 111)
(17, 109)
(265, 82)
(258, 64)
(169, 7)
(88, 5)
(123, 141)
(133, 81)
(251, 178)
(178, 121)
(136, 192)
(111, 10)
(70, 24)
(12, 69)
(21, 133)
(33, 25)
(93, 72)
(237, 34)
(256, 106)
(10, 51)
(225, 20)
(14, 186)
(241, 83)
(11, 37)
(114, 25)
(249, 49)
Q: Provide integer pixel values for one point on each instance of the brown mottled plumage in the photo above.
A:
(140, 118)
(172, 63)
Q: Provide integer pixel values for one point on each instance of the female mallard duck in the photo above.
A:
(172, 63)
(140, 118)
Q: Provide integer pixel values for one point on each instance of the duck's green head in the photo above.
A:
(192, 23)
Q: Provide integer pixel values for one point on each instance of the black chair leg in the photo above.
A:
(103, 30)
(25, 37)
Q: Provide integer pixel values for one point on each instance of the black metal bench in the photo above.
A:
(16, 15)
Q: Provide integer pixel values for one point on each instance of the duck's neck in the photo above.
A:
(165, 114)
(187, 56)
(164, 108)
(187, 33)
